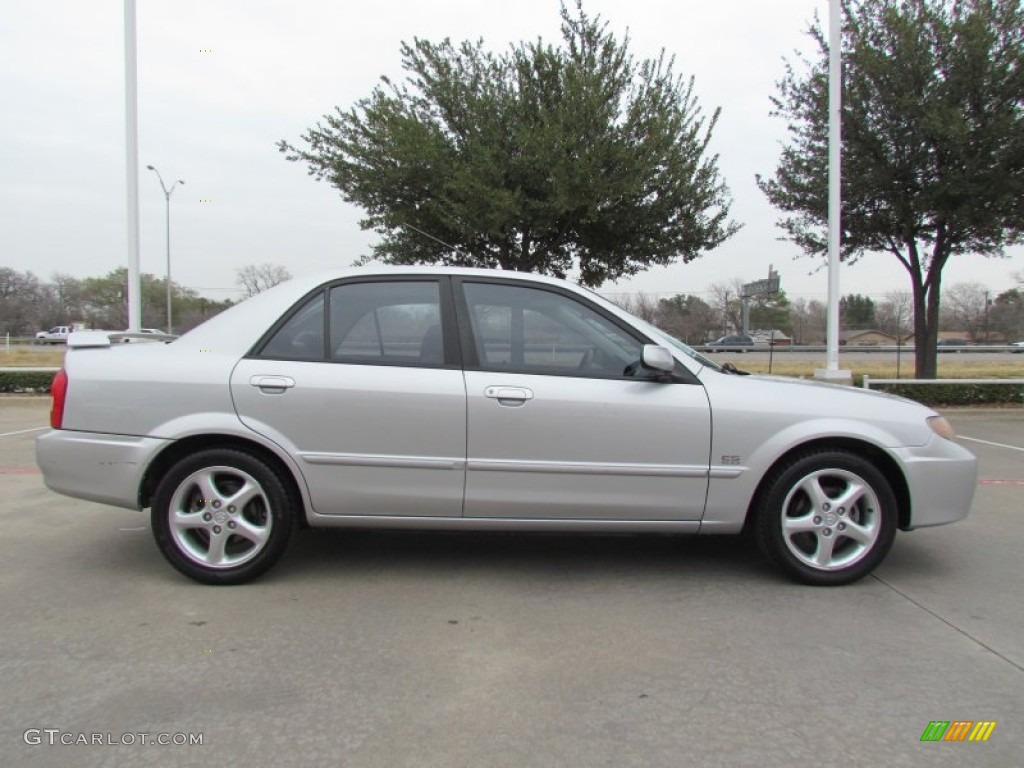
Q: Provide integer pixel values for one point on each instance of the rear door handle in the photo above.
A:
(272, 384)
(509, 395)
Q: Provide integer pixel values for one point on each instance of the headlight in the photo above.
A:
(941, 427)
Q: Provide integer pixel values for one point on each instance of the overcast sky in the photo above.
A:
(220, 81)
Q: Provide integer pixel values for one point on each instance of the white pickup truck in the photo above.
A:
(56, 335)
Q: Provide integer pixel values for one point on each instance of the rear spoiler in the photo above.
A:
(83, 339)
(89, 339)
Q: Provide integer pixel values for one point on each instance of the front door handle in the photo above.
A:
(272, 384)
(509, 395)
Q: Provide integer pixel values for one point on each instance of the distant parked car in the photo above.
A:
(462, 399)
(1018, 346)
(951, 345)
(736, 343)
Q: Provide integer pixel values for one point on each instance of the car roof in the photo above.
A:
(236, 329)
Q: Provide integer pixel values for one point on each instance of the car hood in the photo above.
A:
(810, 383)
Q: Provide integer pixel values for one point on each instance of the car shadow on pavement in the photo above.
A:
(435, 554)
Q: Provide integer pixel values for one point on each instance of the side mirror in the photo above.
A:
(658, 358)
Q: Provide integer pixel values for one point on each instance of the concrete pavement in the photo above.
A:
(410, 649)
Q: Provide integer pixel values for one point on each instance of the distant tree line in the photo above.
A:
(29, 304)
(968, 308)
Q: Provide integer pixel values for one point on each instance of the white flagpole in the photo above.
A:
(132, 166)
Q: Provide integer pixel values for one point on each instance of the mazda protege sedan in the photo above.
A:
(459, 399)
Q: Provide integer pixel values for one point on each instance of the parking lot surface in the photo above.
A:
(441, 649)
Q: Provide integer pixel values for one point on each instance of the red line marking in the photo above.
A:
(19, 470)
(992, 481)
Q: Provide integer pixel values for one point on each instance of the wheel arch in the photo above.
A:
(186, 446)
(885, 463)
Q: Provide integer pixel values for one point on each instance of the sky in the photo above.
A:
(221, 81)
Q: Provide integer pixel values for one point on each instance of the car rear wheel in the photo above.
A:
(827, 518)
(222, 516)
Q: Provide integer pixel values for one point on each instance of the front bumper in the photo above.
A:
(97, 467)
(942, 477)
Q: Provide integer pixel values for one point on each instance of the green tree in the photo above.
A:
(933, 141)
(1007, 316)
(543, 159)
(770, 312)
(856, 311)
(103, 302)
(65, 306)
(687, 317)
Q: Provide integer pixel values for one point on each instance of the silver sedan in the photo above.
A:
(482, 400)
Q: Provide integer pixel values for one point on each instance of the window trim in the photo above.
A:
(449, 330)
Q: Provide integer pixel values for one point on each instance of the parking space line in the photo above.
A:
(989, 442)
(947, 622)
(19, 470)
(993, 481)
(22, 431)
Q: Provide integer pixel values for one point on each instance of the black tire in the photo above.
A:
(214, 541)
(826, 517)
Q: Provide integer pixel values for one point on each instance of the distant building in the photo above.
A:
(778, 338)
(867, 338)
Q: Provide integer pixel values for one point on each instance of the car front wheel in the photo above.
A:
(222, 516)
(827, 518)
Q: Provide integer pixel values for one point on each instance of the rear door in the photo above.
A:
(362, 383)
(561, 425)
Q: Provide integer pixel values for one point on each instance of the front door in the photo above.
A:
(561, 424)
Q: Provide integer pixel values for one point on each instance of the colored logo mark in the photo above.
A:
(958, 730)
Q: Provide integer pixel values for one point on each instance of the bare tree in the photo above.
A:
(895, 314)
(724, 297)
(808, 320)
(22, 297)
(640, 304)
(964, 308)
(255, 279)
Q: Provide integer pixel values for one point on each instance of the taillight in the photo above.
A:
(58, 391)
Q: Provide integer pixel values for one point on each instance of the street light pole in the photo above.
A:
(167, 197)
